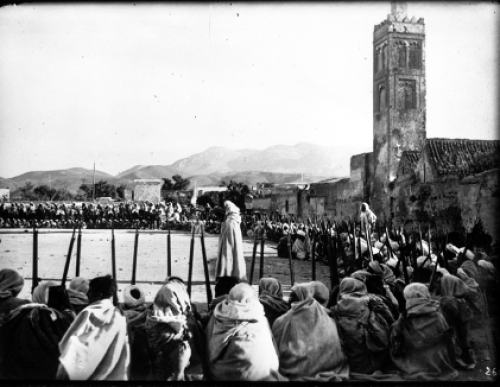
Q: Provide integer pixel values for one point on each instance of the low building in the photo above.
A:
(202, 190)
(147, 190)
(5, 194)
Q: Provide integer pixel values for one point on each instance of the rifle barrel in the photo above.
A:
(369, 241)
(191, 259)
(340, 244)
(313, 257)
(34, 282)
(205, 268)
(134, 262)
(360, 260)
(254, 253)
(332, 261)
(78, 251)
(289, 242)
(113, 254)
(402, 260)
(261, 262)
(169, 253)
(68, 258)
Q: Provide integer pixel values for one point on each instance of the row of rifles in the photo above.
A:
(328, 235)
(78, 239)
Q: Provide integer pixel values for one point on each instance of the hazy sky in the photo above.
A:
(149, 84)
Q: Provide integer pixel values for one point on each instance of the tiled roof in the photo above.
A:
(463, 157)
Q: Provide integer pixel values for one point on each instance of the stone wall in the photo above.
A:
(263, 205)
(451, 202)
(336, 201)
(479, 198)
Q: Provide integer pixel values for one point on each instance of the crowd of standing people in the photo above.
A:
(374, 325)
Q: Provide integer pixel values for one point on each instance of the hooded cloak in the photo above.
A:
(230, 259)
(30, 336)
(41, 292)
(77, 291)
(271, 297)
(239, 340)
(96, 347)
(365, 333)
(11, 284)
(420, 337)
(308, 341)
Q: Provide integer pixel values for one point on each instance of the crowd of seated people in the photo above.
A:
(373, 326)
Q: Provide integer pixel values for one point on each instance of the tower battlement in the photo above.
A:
(398, 21)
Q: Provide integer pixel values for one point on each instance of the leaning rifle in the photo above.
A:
(68, 258)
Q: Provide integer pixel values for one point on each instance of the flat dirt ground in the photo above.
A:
(16, 253)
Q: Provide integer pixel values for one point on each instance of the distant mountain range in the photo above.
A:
(276, 164)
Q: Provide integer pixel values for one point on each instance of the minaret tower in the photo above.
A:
(398, 97)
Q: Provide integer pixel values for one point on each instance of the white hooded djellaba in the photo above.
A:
(367, 217)
(230, 260)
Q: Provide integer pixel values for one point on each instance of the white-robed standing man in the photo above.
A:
(367, 217)
(230, 268)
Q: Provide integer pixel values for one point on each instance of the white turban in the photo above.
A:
(130, 300)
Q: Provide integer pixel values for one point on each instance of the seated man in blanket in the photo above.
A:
(308, 341)
(95, 346)
(301, 247)
(239, 340)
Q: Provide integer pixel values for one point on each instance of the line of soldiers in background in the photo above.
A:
(97, 216)
(131, 215)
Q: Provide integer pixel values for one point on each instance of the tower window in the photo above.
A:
(408, 98)
(384, 57)
(407, 95)
(415, 56)
(402, 56)
(381, 99)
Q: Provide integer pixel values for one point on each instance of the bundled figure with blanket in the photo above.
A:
(457, 306)
(169, 344)
(96, 346)
(308, 341)
(420, 338)
(239, 340)
(77, 291)
(271, 298)
(31, 334)
(11, 284)
(364, 329)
